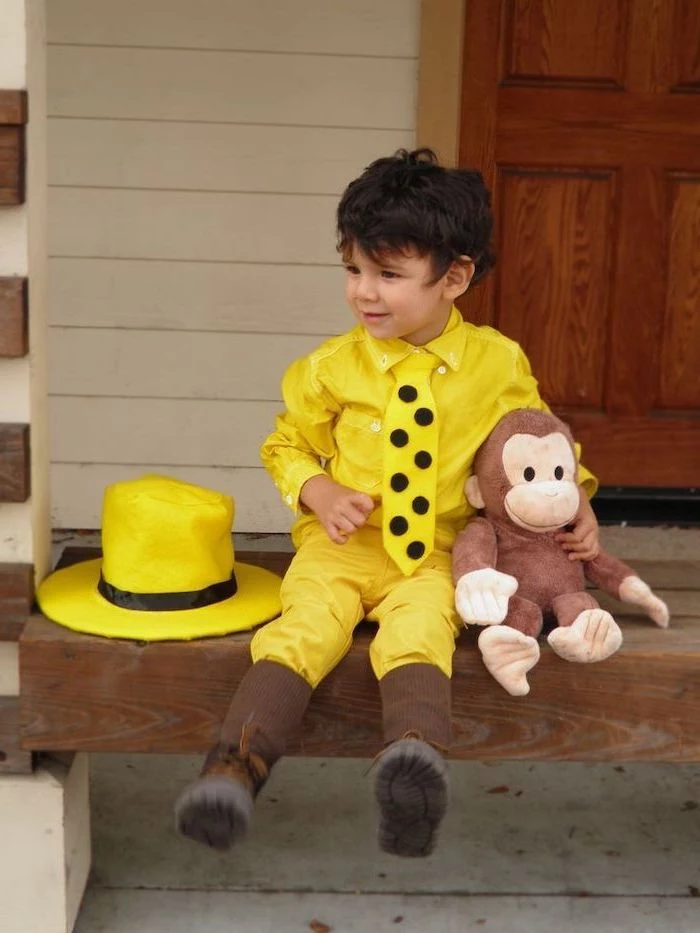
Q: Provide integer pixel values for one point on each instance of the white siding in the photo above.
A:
(196, 155)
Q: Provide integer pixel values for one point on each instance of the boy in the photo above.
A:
(378, 437)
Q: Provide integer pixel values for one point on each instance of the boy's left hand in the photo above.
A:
(583, 541)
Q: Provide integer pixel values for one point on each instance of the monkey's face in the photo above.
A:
(541, 471)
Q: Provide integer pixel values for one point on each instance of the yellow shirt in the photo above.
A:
(335, 400)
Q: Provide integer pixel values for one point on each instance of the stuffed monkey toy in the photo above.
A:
(509, 570)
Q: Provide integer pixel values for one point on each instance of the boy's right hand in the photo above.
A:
(340, 510)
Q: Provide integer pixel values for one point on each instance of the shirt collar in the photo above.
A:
(449, 346)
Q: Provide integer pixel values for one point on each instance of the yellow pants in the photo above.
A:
(329, 588)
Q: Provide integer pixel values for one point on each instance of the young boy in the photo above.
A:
(378, 437)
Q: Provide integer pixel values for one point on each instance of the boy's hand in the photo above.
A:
(340, 510)
(582, 542)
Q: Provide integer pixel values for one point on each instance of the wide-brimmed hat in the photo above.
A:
(167, 572)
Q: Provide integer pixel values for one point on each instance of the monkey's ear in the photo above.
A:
(474, 493)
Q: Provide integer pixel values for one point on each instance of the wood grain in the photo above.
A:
(13, 317)
(14, 462)
(13, 107)
(80, 692)
(13, 760)
(11, 165)
(16, 598)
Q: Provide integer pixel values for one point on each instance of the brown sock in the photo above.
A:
(267, 707)
(417, 699)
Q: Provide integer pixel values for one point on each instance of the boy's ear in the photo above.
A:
(458, 277)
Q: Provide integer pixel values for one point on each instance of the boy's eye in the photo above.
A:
(388, 274)
(352, 270)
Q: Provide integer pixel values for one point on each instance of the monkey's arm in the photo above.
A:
(621, 581)
(481, 591)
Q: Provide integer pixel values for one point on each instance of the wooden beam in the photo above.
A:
(14, 462)
(13, 116)
(14, 317)
(16, 599)
(13, 107)
(82, 693)
(13, 760)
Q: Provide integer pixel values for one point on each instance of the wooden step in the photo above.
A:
(84, 693)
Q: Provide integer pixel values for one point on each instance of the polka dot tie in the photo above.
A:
(410, 464)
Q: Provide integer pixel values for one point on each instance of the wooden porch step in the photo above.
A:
(83, 693)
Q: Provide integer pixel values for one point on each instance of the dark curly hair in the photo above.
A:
(410, 201)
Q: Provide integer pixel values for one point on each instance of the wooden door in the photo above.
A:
(585, 119)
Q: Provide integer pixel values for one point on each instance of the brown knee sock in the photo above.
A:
(267, 708)
(416, 698)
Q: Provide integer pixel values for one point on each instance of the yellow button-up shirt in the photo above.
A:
(335, 401)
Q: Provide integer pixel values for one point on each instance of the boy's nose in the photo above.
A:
(365, 288)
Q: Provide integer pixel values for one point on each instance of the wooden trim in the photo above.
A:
(12, 759)
(13, 116)
(16, 599)
(14, 462)
(13, 107)
(14, 317)
(440, 77)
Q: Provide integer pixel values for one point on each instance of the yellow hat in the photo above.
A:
(167, 570)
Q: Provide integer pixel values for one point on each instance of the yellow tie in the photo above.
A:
(410, 463)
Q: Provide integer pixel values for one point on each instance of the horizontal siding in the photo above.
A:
(212, 156)
(191, 225)
(156, 364)
(196, 156)
(261, 297)
(169, 432)
(231, 87)
(77, 491)
(330, 27)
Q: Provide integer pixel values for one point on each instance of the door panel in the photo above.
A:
(585, 120)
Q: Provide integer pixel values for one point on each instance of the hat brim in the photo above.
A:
(70, 597)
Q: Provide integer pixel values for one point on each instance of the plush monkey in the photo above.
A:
(508, 569)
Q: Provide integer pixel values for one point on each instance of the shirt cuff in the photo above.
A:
(290, 489)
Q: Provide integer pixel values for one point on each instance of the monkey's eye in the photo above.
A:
(559, 472)
(529, 474)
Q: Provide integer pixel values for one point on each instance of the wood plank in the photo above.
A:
(349, 27)
(236, 297)
(13, 760)
(86, 693)
(194, 432)
(171, 364)
(199, 225)
(16, 598)
(213, 156)
(14, 332)
(13, 107)
(14, 462)
(11, 165)
(185, 85)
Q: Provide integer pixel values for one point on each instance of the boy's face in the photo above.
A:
(395, 297)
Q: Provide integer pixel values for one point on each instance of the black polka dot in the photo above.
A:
(420, 505)
(399, 438)
(399, 481)
(424, 417)
(398, 525)
(415, 550)
(408, 393)
(422, 460)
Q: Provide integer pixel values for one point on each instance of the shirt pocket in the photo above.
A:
(359, 451)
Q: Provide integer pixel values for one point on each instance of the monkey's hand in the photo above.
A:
(481, 597)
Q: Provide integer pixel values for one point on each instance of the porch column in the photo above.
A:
(44, 812)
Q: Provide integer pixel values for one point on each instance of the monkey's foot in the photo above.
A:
(636, 591)
(593, 636)
(508, 656)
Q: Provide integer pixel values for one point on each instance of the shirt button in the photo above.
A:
(376, 426)
(288, 499)
(442, 370)
(384, 360)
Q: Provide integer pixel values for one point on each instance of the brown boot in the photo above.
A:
(411, 787)
(217, 809)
